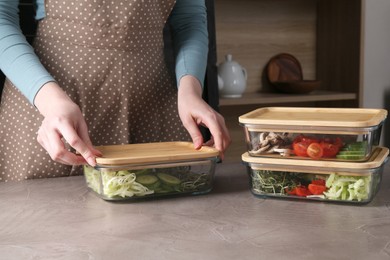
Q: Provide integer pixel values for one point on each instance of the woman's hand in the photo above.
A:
(63, 122)
(194, 111)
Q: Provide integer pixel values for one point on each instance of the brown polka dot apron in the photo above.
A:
(108, 57)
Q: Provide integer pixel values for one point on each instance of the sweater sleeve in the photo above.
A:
(17, 58)
(188, 21)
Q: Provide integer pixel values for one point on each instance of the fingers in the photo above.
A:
(63, 122)
(52, 140)
(194, 132)
(220, 138)
(219, 132)
(73, 139)
(209, 142)
(83, 133)
(53, 144)
(194, 111)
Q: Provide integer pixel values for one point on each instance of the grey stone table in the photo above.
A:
(61, 219)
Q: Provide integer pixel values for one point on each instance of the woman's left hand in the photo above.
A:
(194, 111)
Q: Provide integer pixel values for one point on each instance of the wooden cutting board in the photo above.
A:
(284, 67)
(146, 153)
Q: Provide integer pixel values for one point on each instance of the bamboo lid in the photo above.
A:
(323, 117)
(376, 159)
(146, 153)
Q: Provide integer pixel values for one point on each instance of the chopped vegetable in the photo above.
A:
(315, 151)
(353, 151)
(147, 179)
(122, 184)
(316, 189)
(146, 182)
(318, 182)
(92, 177)
(168, 179)
(329, 150)
(274, 182)
(331, 187)
(348, 187)
(316, 148)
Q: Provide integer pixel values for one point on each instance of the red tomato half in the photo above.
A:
(316, 189)
(305, 139)
(318, 182)
(301, 143)
(300, 149)
(293, 191)
(315, 151)
(329, 150)
(302, 191)
(338, 142)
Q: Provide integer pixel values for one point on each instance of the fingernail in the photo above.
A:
(91, 161)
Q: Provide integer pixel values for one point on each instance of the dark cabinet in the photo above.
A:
(27, 24)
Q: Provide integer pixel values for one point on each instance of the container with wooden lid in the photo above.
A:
(150, 170)
(335, 134)
(330, 181)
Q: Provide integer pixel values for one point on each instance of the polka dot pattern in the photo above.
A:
(108, 57)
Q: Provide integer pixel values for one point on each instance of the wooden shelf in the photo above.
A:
(274, 98)
(324, 35)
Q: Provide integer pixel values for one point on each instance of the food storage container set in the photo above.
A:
(151, 170)
(323, 154)
(320, 154)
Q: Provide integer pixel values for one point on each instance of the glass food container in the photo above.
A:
(347, 182)
(150, 170)
(335, 134)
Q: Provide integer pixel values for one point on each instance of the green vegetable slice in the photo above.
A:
(350, 156)
(351, 153)
(358, 146)
(348, 187)
(147, 179)
(168, 179)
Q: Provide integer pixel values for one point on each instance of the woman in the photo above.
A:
(98, 77)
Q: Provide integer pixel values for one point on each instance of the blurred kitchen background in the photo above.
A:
(342, 43)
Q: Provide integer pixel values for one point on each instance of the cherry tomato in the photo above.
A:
(329, 150)
(316, 189)
(315, 151)
(338, 142)
(305, 139)
(293, 191)
(326, 147)
(302, 191)
(318, 182)
(300, 149)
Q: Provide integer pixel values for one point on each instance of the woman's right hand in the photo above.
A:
(63, 122)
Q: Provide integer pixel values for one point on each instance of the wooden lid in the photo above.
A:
(146, 153)
(314, 117)
(378, 156)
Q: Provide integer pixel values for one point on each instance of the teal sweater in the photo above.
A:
(20, 64)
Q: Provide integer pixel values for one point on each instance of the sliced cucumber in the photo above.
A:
(362, 153)
(350, 156)
(154, 186)
(147, 179)
(358, 146)
(143, 171)
(164, 188)
(168, 179)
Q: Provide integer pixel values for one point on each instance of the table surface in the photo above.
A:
(60, 218)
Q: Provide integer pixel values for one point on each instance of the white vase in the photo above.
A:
(232, 78)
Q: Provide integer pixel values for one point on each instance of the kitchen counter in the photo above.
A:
(60, 218)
